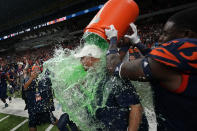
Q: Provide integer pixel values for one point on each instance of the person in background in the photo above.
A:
(26, 75)
(39, 99)
(19, 74)
(3, 86)
(12, 81)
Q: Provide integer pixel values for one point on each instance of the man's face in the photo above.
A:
(170, 32)
(20, 66)
(88, 61)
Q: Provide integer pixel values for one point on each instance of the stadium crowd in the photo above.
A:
(15, 69)
(149, 34)
(14, 64)
(19, 73)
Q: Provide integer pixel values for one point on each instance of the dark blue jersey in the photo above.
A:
(115, 114)
(39, 96)
(11, 75)
(3, 85)
(3, 79)
(180, 54)
(177, 110)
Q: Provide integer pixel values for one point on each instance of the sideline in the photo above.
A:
(49, 128)
(16, 107)
(4, 118)
(19, 125)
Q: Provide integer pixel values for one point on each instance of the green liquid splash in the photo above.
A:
(76, 88)
(91, 38)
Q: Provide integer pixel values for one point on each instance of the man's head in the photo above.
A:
(89, 54)
(180, 25)
(20, 65)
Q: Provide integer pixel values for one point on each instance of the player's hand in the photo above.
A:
(134, 37)
(111, 32)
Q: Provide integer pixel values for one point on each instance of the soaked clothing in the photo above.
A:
(63, 121)
(41, 118)
(177, 111)
(39, 100)
(115, 115)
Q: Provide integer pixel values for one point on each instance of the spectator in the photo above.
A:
(39, 100)
(3, 87)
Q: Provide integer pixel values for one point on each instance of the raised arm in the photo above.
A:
(142, 69)
(27, 64)
(32, 77)
(136, 42)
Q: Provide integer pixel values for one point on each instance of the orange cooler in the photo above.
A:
(120, 13)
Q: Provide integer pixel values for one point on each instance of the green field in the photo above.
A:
(12, 121)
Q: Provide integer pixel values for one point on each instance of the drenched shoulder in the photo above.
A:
(180, 54)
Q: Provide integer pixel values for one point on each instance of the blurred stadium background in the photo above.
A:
(33, 28)
(35, 24)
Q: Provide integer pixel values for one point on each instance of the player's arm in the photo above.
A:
(32, 77)
(147, 69)
(27, 63)
(123, 52)
(135, 117)
(143, 49)
(114, 60)
(143, 69)
(130, 70)
(135, 41)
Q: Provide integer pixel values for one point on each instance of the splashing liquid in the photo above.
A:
(76, 88)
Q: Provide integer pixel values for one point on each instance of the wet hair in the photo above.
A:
(186, 19)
